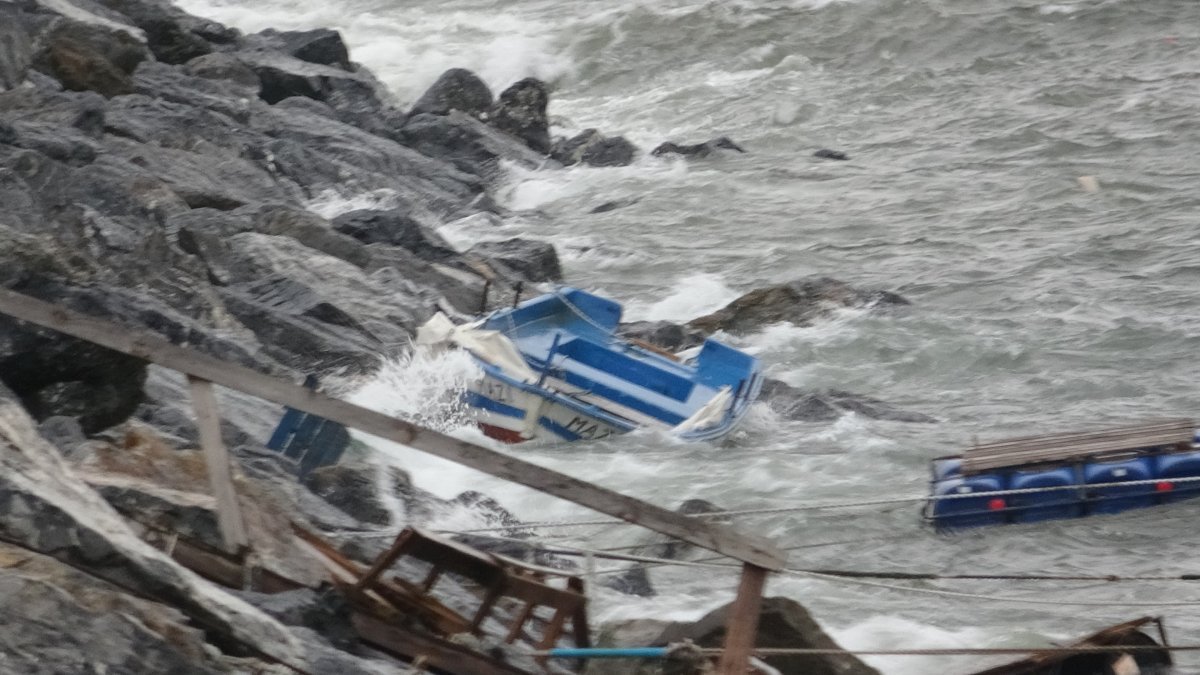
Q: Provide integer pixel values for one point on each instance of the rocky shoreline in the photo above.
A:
(163, 171)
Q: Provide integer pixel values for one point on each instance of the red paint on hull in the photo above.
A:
(501, 434)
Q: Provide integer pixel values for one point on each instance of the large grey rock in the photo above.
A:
(816, 406)
(351, 159)
(799, 302)
(456, 89)
(469, 144)
(592, 148)
(283, 76)
(322, 46)
(699, 150)
(16, 47)
(224, 66)
(525, 259)
(44, 507)
(662, 334)
(173, 35)
(90, 57)
(353, 488)
(782, 623)
(520, 111)
(55, 375)
(58, 620)
(396, 228)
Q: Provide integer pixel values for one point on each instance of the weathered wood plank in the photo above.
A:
(1176, 433)
(741, 628)
(220, 478)
(711, 536)
(440, 654)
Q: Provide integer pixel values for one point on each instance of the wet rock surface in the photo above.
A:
(697, 150)
(799, 302)
(817, 406)
(169, 174)
(782, 623)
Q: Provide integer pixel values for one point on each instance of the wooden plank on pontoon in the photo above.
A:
(1172, 433)
(153, 348)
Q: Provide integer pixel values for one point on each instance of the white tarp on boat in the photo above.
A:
(710, 414)
(491, 346)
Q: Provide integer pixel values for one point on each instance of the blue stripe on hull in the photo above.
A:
(484, 403)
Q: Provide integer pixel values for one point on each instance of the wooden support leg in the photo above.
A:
(384, 561)
(741, 629)
(229, 514)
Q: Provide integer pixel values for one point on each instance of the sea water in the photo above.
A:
(1038, 305)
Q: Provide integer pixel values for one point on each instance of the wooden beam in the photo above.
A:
(220, 478)
(741, 626)
(153, 348)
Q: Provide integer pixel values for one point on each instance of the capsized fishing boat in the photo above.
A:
(1069, 475)
(553, 366)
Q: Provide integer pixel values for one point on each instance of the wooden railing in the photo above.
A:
(758, 555)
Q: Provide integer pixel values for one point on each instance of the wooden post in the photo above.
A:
(741, 628)
(229, 514)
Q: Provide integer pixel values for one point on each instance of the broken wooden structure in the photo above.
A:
(1175, 434)
(379, 596)
(1143, 660)
(758, 555)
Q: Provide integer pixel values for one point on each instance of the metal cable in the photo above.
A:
(846, 505)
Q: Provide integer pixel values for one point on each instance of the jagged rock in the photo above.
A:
(65, 144)
(223, 66)
(219, 182)
(61, 620)
(469, 144)
(300, 328)
(56, 375)
(353, 488)
(456, 89)
(520, 111)
(663, 334)
(308, 229)
(816, 406)
(617, 151)
(633, 581)
(462, 289)
(283, 76)
(44, 507)
(592, 148)
(397, 228)
(65, 433)
(782, 623)
(526, 259)
(800, 302)
(351, 157)
(698, 150)
(90, 57)
(322, 45)
(16, 47)
(615, 204)
(569, 151)
(825, 153)
(173, 35)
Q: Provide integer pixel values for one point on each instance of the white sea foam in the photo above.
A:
(889, 632)
(692, 296)
(330, 204)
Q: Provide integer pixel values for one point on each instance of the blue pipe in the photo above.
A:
(614, 653)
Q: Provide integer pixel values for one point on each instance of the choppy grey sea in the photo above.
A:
(1037, 305)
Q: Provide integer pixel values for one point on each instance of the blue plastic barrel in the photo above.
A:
(969, 511)
(1049, 505)
(1177, 465)
(1122, 497)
